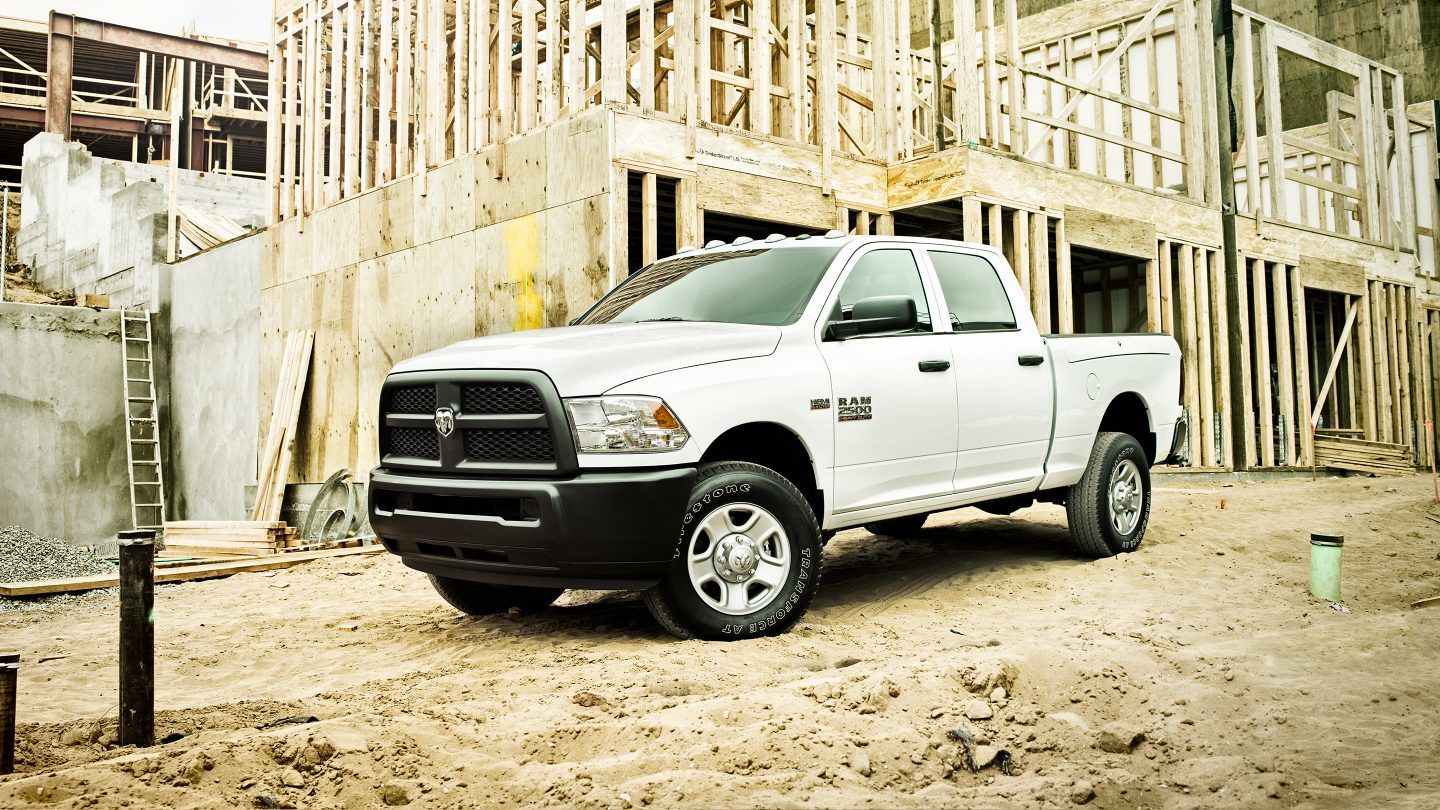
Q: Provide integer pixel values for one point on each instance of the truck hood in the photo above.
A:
(585, 360)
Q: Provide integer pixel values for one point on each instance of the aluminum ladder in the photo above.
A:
(142, 421)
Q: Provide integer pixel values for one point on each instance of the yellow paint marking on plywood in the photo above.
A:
(522, 252)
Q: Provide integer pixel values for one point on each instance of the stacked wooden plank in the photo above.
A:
(179, 573)
(284, 421)
(229, 538)
(1358, 455)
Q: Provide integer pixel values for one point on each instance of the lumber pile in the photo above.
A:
(1359, 455)
(284, 421)
(228, 538)
(205, 229)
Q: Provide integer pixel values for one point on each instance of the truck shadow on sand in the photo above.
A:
(863, 574)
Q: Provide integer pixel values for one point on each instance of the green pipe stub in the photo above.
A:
(1325, 552)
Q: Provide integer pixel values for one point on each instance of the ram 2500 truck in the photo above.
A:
(702, 430)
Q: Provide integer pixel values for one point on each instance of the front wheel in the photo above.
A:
(480, 599)
(749, 557)
(1109, 506)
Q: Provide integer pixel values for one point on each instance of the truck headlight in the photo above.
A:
(625, 425)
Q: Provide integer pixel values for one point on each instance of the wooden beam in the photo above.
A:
(1274, 128)
(1260, 334)
(1189, 318)
(1284, 361)
(1341, 344)
(613, 80)
(1132, 34)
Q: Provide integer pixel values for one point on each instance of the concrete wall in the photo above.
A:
(505, 239)
(95, 225)
(63, 422)
(210, 312)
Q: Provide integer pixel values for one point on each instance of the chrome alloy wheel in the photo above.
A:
(1127, 497)
(739, 559)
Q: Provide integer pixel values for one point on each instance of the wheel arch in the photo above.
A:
(1128, 413)
(773, 445)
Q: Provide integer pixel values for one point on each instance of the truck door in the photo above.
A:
(1003, 384)
(893, 394)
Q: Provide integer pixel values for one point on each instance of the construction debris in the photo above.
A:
(206, 230)
(25, 555)
(284, 420)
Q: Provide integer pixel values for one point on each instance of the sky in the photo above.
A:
(238, 19)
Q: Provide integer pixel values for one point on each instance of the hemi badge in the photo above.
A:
(819, 404)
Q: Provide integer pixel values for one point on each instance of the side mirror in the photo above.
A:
(883, 313)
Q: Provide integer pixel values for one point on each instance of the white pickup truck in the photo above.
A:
(708, 425)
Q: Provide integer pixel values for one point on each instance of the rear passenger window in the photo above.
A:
(973, 293)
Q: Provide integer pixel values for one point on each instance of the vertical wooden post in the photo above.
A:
(826, 84)
(1204, 353)
(1274, 128)
(137, 638)
(529, 63)
(703, 85)
(9, 688)
(613, 79)
(1064, 283)
(554, 87)
(649, 221)
(1019, 252)
(1284, 361)
(1245, 402)
(882, 57)
(796, 50)
(1015, 82)
(404, 93)
(384, 158)
(1190, 349)
(1245, 59)
(687, 213)
(177, 105)
(1300, 334)
(619, 223)
(967, 111)
(504, 71)
(1260, 334)
(460, 54)
(760, 66)
(272, 126)
(1040, 269)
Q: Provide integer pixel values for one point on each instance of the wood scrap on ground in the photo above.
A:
(180, 573)
(284, 420)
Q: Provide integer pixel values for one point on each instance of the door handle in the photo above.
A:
(1031, 359)
(934, 365)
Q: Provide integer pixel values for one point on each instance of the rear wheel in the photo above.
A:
(907, 526)
(1109, 507)
(749, 558)
(481, 599)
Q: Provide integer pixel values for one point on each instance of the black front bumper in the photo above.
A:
(611, 530)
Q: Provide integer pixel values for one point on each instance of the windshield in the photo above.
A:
(763, 286)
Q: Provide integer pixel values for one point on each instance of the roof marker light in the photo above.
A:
(775, 237)
(742, 240)
(714, 243)
(835, 234)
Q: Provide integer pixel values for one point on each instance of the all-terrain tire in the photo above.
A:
(1091, 504)
(482, 599)
(907, 526)
(724, 490)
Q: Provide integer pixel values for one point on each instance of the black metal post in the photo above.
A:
(9, 676)
(137, 638)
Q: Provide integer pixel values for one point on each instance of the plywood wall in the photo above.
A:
(510, 238)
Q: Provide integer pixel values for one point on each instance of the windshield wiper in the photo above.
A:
(658, 320)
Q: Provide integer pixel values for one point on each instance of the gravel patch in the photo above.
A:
(26, 556)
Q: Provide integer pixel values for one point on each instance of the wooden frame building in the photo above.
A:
(447, 169)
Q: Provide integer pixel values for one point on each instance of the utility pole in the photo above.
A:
(1223, 36)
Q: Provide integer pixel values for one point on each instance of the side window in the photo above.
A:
(973, 293)
(884, 272)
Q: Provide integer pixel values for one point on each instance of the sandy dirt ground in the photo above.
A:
(1196, 672)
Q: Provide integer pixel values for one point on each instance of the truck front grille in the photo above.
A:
(500, 398)
(509, 445)
(504, 422)
(413, 399)
(415, 443)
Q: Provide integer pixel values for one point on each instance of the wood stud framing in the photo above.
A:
(371, 91)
